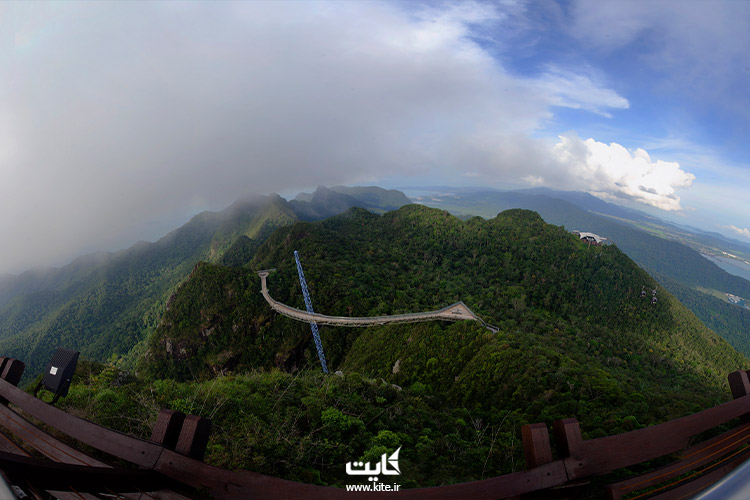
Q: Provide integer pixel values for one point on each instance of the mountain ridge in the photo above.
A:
(682, 265)
(575, 339)
(107, 303)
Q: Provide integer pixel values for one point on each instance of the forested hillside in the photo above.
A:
(728, 320)
(107, 304)
(106, 307)
(416, 259)
(576, 339)
(683, 268)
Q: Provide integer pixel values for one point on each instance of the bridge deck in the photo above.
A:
(454, 312)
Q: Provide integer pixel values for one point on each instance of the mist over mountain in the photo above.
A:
(110, 303)
(106, 304)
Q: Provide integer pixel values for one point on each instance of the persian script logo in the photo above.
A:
(382, 467)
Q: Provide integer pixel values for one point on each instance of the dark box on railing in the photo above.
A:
(60, 371)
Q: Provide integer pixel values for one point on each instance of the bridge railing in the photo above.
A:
(585, 458)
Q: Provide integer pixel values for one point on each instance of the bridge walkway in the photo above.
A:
(454, 312)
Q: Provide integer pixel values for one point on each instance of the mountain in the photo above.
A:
(703, 241)
(325, 202)
(360, 264)
(576, 338)
(590, 203)
(484, 201)
(47, 278)
(684, 270)
(376, 197)
(107, 304)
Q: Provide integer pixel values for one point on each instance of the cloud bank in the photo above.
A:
(119, 115)
(120, 120)
(611, 171)
(742, 231)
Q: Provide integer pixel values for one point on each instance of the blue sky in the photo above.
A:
(684, 72)
(120, 120)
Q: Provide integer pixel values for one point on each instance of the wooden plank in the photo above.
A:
(52, 475)
(739, 383)
(154, 495)
(692, 488)
(194, 437)
(739, 433)
(69, 455)
(47, 445)
(166, 431)
(9, 446)
(567, 436)
(167, 495)
(241, 485)
(137, 451)
(694, 458)
(602, 455)
(536, 446)
(71, 495)
(13, 370)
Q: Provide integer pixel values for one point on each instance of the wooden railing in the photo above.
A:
(170, 466)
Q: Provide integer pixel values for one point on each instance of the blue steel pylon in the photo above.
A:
(308, 304)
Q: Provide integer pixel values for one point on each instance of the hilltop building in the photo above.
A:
(590, 238)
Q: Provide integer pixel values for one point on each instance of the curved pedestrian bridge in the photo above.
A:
(454, 312)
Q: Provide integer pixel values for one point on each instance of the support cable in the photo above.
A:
(308, 304)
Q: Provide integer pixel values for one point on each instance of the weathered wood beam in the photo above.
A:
(567, 437)
(54, 475)
(602, 455)
(194, 437)
(166, 431)
(137, 451)
(536, 445)
(739, 383)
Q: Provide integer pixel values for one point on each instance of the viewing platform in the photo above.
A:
(170, 465)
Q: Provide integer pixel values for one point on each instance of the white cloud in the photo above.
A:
(128, 113)
(534, 180)
(742, 231)
(580, 91)
(611, 171)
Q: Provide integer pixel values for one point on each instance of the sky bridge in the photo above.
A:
(454, 312)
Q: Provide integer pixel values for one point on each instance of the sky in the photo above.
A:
(120, 120)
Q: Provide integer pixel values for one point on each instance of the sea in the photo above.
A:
(732, 266)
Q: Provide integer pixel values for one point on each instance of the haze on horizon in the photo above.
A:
(120, 120)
